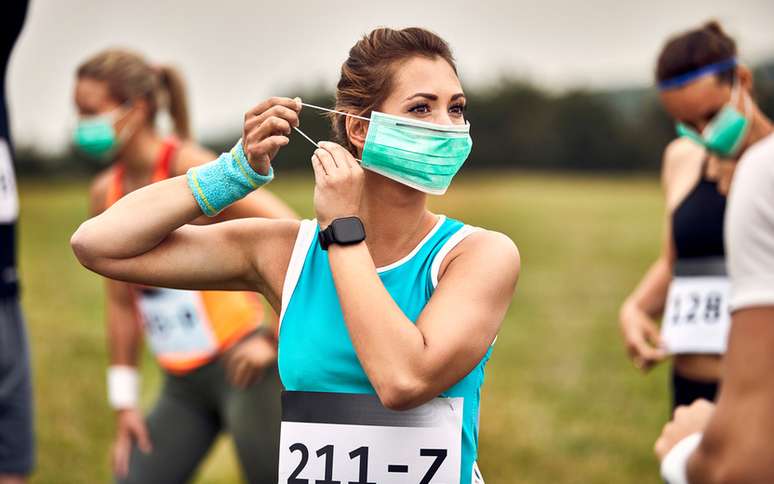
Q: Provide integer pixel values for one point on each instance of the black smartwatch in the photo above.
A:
(342, 231)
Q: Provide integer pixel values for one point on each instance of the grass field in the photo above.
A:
(561, 403)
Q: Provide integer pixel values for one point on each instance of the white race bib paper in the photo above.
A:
(696, 319)
(336, 438)
(174, 322)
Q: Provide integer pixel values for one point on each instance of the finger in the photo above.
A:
(283, 112)
(653, 335)
(340, 155)
(268, 146)
(326, 160)
(121, 457)
(263, 106)
(143, 438)
(242, 377)
(270, 127)
(319, 170)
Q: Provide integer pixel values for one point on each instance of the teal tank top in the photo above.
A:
(315, 350)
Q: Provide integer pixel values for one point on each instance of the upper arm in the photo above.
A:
(737, 444)
(464, 315)
(245, 255)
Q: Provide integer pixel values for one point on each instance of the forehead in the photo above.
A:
(696, 99)
(420, 74)
(93, 94)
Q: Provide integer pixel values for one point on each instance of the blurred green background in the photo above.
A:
(561, 402)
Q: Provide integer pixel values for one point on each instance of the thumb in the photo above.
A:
(653, 335)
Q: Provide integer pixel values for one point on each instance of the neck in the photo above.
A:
(139, 153)
(395, 218)
(761, 127)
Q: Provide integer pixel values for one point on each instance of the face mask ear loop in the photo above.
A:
(334, 111)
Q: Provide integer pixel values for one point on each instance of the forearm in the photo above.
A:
(136, 223)
(389, 346)
(650, 294)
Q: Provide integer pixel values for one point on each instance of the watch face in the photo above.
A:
(348, 230)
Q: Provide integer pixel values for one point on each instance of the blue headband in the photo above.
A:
(683, 79)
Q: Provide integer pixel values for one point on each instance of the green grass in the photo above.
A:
(561, 403)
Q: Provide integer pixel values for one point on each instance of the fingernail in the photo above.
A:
(298, 101)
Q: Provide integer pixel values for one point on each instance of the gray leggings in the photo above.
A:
(193, 409)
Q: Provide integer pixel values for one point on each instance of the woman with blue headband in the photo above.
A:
(688, 284)
(709, 98)
(382, 341)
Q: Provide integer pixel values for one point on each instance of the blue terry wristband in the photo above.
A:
(221, 182)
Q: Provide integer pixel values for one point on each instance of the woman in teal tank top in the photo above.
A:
(383, 340)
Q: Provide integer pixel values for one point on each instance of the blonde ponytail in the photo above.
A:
(177, 100)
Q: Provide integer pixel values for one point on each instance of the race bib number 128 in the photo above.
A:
(334, 438)
(696, 319)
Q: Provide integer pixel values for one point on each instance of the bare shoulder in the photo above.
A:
(681, 170)
(99, 189)
(682, 159)
(191, 154)
(486, 251)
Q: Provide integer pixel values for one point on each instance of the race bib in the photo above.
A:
(175, 322)
(9, 200)
(696, 319)
(336, 438)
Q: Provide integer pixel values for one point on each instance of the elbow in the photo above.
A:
(401, 393)
(84, 248)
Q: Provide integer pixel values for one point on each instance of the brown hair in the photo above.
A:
(695, 49)
(129, 77)
(366, 75)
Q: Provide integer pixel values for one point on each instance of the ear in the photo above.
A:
(745, 78)
(356, 132)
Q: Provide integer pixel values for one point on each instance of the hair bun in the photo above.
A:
(714, 27)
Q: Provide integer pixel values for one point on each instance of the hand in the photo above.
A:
(247, 360)
(642, 338)
(266, 130)
(338, 183)
(130, 427)
(687, 421)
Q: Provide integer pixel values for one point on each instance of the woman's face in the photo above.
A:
(92, 98)
(695, 104)
(428, 90)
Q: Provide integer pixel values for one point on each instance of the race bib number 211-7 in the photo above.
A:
(335, 438)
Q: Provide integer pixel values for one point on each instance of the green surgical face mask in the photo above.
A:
(726, 131)
(96, 137)
(424, 156)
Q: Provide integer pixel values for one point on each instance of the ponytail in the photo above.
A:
(173, 86)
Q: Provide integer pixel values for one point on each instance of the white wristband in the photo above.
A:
(673, 467)
(123, 384)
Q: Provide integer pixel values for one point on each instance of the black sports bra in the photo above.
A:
(697, 223)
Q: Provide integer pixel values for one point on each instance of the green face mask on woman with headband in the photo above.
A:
(424, 156)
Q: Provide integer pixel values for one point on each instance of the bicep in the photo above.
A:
(465, 313)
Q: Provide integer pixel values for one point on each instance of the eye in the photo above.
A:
(421, 108)
(457, 109)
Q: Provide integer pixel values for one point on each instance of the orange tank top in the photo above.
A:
(186, 329)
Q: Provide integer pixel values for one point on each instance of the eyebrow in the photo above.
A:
(433, 97)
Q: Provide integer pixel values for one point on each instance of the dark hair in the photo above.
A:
(366, 75)
(129, 76)
(695, 49)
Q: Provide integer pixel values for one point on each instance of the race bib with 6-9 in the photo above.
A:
(696, 319)
(337, 438)
(175, 322)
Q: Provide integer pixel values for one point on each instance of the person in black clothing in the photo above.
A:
(16, 439)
